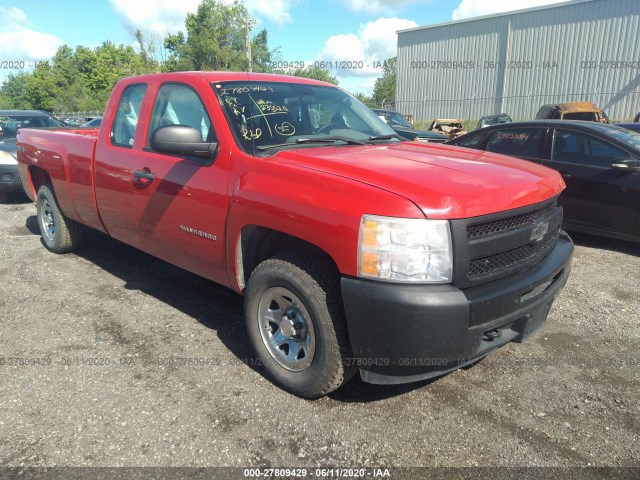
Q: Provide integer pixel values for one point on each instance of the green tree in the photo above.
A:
(14, 90)
(365, 99)
(315, 72)
(41, 89)
(385, 86)
(75, 80)
(216, 40)
(260, 53)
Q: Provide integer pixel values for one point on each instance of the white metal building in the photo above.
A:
(581, 50)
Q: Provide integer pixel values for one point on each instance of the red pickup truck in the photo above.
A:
(354, 250)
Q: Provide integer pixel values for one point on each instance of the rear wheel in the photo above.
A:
(294, 318)
(59, 233)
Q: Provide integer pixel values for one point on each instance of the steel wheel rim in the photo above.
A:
(286, 329)
(47, 221)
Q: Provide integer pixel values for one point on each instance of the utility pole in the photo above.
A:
(248, 25)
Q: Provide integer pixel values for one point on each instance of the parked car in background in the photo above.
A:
(637, 118)
(402, 127)
(10, 122)
(600, 165)
(94, 123)
(572, 111)
(488, 120)
(70, 122)
(450, 127)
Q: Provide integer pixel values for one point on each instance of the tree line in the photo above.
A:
(217, 38)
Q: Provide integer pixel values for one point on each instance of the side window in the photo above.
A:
(580, 149)
(555, 114)
(471, 142)
(124, 125)
(523, 142)
(178, 104)
(604, 154)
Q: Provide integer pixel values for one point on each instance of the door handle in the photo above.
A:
(565, 174)
(143, 177)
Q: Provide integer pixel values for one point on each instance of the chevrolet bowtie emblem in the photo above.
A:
(539, 231)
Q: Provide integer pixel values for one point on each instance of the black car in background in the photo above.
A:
(402, 127)
(489, 120)
(10, 122)
(600, 164)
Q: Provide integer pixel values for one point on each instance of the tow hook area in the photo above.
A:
(491, 335)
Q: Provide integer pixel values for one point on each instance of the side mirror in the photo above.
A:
(626, 165)
(183, 141)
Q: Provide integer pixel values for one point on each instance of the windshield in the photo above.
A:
(283, 115)
(494, 121)
(586, 116)
(9, 124)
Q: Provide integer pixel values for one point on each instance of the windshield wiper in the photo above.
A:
(326, 139)
(386, 137)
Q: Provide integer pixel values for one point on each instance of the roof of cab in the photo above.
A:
(213, 76)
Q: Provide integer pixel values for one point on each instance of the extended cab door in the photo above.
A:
(597, 196)
(179, 204)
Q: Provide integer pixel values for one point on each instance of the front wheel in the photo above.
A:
(294, 318)
(59, 233)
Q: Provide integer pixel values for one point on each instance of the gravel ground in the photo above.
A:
(100, 323)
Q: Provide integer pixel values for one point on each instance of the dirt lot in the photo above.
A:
(96, 389)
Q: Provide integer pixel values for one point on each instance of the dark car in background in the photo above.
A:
(600, 164)
(93, 123)
(488, 120)
(402, 127)
(10, 122)
(586, 111)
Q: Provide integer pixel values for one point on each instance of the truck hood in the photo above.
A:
(444, 181)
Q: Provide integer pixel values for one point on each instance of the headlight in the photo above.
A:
(7, 159)
(405, 249)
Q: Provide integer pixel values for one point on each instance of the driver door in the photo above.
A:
(179, 204)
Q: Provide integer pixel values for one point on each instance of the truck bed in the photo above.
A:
(67, 155)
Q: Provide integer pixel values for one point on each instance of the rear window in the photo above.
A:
(586, 116)
(521, 142)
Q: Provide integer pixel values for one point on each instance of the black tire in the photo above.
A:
(59, 233)
(3, 197)
(314, 324)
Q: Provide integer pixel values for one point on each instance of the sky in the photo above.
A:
(362, 32)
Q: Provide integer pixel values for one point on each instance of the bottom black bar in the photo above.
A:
(224, 473)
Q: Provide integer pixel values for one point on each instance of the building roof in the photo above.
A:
(502, 14)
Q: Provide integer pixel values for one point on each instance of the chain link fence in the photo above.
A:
(78, 115)
(619, 106)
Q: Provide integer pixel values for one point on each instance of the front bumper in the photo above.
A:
(10, 179)
(404, 333)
